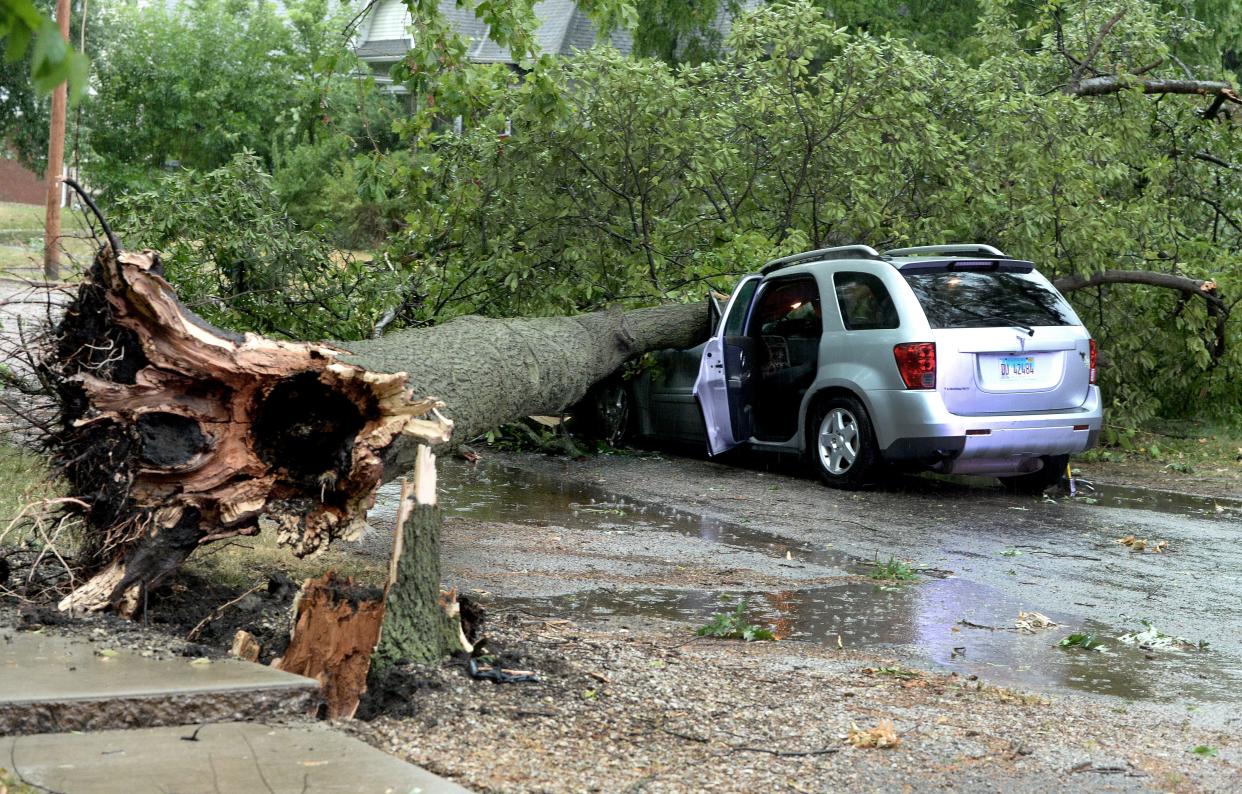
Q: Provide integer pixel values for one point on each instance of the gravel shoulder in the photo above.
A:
(639, 707)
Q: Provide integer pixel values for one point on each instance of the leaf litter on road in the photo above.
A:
(1152, 639)
(884, 734)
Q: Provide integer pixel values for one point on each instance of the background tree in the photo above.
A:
(24, 103)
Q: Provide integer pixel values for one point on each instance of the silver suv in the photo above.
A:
(954, 358)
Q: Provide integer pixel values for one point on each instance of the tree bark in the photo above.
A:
(179, 433)
(1112, 84)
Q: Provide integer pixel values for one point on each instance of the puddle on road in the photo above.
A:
(1163, 502)
(501, 494)
(922, 619)
(925, 619)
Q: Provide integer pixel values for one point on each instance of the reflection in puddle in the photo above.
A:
(926, 619)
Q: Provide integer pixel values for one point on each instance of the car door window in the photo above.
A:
(865, 302)
(739, 308)
(786, 325)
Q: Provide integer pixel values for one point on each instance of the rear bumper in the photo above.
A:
(915, 427)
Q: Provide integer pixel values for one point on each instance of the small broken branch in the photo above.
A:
(217, 613)
(1216, 306)
(1085, 64)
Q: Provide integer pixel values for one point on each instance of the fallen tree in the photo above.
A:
(178, 433)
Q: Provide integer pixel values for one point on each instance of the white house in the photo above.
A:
(384, 34)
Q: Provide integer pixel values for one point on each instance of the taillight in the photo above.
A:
(916, 361)
(1091, 377)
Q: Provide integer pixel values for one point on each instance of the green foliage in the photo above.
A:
(26, 30)
(1086, 641)
(893, 571)
(630, 181)
(680, 31)
(239, 260)
(733, 625)
(1205, 751)
(191, 84)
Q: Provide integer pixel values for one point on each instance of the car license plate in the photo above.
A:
(1017, 367)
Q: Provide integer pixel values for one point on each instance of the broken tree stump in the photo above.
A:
(335, 628)
(421, 623)
(341, 630)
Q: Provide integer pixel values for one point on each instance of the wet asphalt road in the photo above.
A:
(626, 538)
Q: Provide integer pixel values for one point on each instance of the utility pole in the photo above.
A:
(56, 162)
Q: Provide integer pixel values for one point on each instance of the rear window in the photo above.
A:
(966, 299)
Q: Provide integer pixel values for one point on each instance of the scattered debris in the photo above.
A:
(891, 672)
(1141, 544)
(499, 675)
(1151, 639)
(882, 735)
(1033, 622)
(1085, 640)
(245, 646)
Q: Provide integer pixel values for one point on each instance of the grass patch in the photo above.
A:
(24, 478)
(21, 216)
(9, 784)
(1182, 447)
(239, 563)
(21, 240)
(893, 571)
(733, 625)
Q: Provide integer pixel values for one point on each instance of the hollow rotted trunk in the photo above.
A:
(179, 433)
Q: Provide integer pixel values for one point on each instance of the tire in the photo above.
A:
(1037, 482)
(841, 446)
(604, 413)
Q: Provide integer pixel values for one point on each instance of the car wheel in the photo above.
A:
(1037, 482)
(604, 413)
(841, 443)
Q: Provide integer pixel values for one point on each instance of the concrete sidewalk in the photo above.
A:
(62, 701)
(50, 683)
(215, 758)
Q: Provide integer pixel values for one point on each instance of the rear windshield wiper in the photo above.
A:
(1025, 328)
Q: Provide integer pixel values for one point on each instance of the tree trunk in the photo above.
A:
(179, 433)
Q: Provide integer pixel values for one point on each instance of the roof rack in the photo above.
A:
(951, 249)
(839, 252)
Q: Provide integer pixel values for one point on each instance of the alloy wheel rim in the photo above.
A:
(838, 441)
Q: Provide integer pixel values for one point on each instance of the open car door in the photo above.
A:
(724, 373)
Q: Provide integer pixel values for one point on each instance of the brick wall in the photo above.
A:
(19, 185)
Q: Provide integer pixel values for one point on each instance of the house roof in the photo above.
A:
(563, 29)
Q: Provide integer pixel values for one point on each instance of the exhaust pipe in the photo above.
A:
(990, 467)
